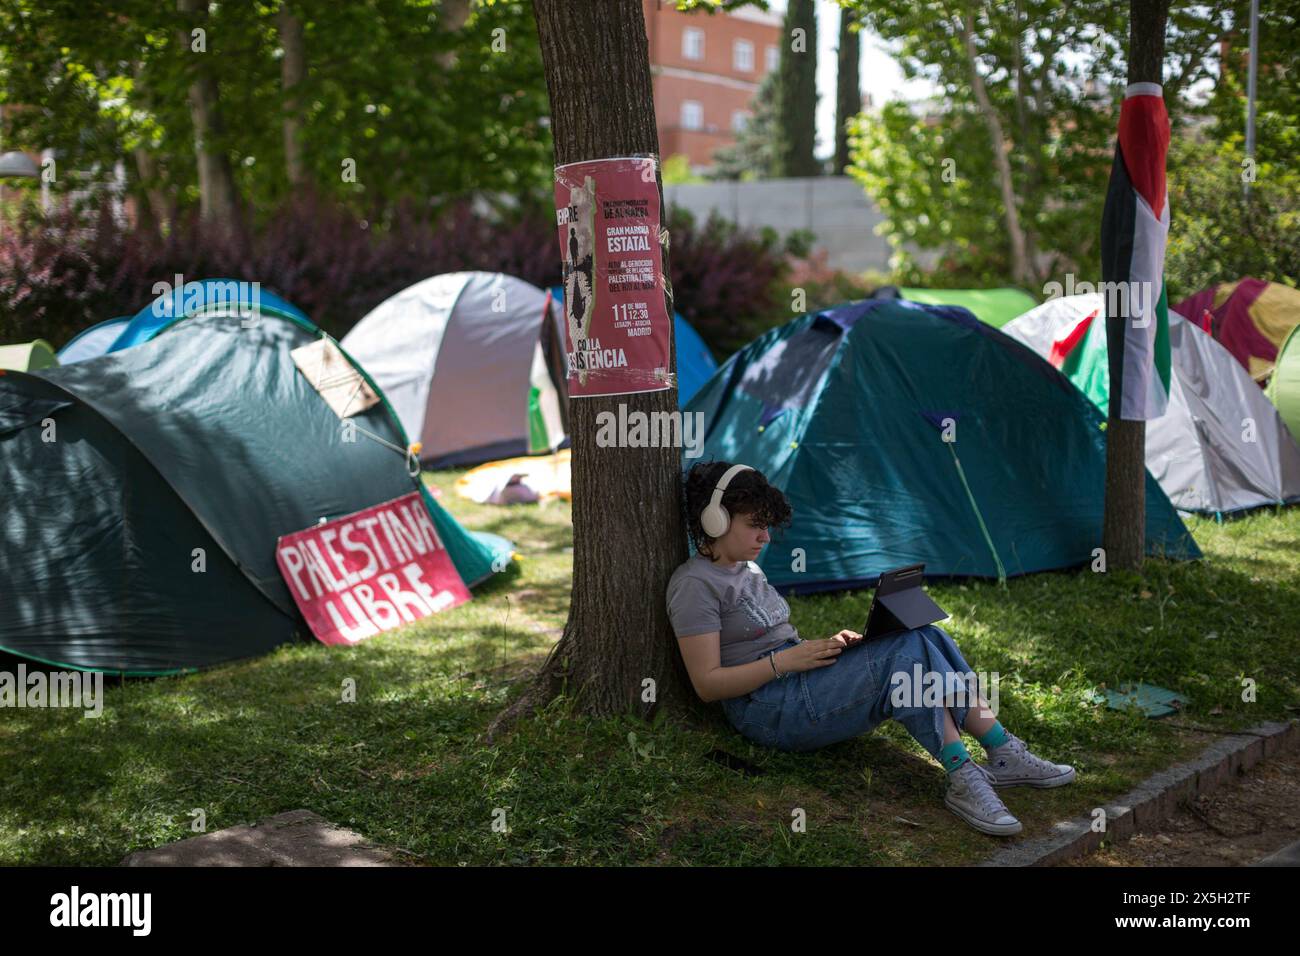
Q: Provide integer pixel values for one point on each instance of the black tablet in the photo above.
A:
(899, 604)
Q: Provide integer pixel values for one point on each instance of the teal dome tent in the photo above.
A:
(202, 440)
(903, 432)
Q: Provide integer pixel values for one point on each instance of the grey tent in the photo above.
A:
(1220, 446)
(473, 363)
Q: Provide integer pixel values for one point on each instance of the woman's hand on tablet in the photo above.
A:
(809, 655)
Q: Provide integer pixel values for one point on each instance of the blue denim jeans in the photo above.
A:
(812, 709)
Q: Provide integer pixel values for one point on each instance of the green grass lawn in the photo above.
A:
(403, 765)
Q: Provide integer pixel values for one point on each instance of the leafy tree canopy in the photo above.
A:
(425, 111)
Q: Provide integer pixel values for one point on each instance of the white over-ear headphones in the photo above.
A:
(714, 518)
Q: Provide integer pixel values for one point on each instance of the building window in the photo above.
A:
(742, 56)
(693, 43)
(739, 120)
(773, 57)
(692, 115)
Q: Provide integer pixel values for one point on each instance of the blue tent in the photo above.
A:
(695, 363)
(92, 342)
(195, 298)
(903, 433)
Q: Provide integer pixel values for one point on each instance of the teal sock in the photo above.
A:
(995, 736)
(953, 755)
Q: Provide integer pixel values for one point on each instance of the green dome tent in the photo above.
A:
(997, 307)
(28, 357)
(205, 442)
(846, 411)
(1284, 385)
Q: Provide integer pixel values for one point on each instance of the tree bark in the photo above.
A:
(797, 93)
(628, 528)
(1029, 144)
(293, 70)
(1146, 40)
(1020, 265)
(216, 179)
(146, 168)
(1124, 524)
(848, 88)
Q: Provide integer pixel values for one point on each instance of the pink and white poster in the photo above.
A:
(369, 572)
(618, 330)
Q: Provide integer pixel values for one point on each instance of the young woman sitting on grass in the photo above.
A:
(781, 691)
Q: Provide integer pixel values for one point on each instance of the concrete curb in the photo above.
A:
(1287, 856)
(1156, 797)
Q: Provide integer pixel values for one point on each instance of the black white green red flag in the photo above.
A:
(1134, 229)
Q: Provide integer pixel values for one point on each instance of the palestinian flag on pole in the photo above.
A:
(1134, 228)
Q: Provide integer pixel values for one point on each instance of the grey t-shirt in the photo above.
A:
(736, 600)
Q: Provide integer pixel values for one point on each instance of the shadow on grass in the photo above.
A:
(403, 765)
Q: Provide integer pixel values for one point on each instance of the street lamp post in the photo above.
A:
(14, 164)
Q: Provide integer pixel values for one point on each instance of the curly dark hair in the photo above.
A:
(748, 493)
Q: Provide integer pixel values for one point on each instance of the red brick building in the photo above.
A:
(706, 69)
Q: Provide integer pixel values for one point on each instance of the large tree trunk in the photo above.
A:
(797, 92)
(1029, 144)
(1020, 265)
(153, 211)
(146, 169)
(293, 70)
(848, 89)
(1124, 526)
(628, 529)
(216, 179)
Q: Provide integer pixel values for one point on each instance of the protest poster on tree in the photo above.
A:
(618, 330)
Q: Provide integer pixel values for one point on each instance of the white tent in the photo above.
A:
(1220, 446)
(470, 364)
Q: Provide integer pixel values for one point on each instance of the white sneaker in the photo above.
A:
(970, 796)
(1012, 765)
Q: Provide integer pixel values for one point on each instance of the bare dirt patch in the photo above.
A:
(1241, 823)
